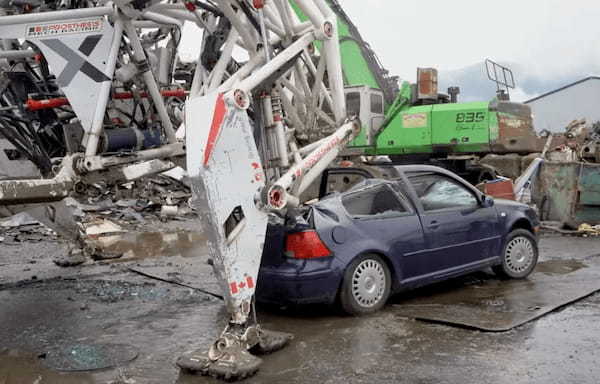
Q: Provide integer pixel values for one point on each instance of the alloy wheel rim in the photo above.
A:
(368, 283)
(519, 254)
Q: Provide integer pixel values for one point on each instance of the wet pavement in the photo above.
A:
(482, 301)
(104, 303)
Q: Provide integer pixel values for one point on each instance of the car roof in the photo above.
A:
(419, 168)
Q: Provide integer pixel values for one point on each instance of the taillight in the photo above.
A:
(305, 245)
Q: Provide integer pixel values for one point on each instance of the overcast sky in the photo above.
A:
(556, 37)
(548, 39)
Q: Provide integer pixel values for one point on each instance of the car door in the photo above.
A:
(386, 220)
(459, 231)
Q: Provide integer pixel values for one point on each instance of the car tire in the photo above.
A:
(519, 255)
(366, 285)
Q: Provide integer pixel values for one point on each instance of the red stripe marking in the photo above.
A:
(234, 288)
(250, 282)
(215, 127)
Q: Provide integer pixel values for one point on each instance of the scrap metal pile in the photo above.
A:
(93, 93)
(579, 142)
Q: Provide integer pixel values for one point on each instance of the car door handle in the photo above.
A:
(434, 224)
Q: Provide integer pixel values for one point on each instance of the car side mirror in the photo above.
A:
(487, 201)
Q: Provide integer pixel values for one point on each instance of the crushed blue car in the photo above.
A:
(383, 236)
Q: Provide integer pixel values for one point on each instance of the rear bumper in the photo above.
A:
(275, 287)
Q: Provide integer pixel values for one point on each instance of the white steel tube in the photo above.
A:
(313, 70)
(302, 99)
(231, 15)
(161, 19)
(290, 110)
(334, 72)
(96, 163)
(281, 142)
(295, 152)
(310, 147)
(310, 167)
(283, 10)
(302, 27)
(219, 70)
(91, 147)
(324, 8)
(277, 62)
(255, 61)
(145, 24)
(17, 54)
(157, 99)
(181, 15)
(315, 16)
(275, 23)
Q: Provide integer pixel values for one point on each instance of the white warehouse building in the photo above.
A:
(554, 110)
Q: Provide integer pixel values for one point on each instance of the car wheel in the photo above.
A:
(366, 286)
(519, 256)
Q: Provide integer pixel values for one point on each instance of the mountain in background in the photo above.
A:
(475, 85)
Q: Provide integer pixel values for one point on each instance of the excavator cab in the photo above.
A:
(368, 104)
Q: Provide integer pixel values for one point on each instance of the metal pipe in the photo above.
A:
(219, 70)
(291, 112)
(255, 61)
(306, 171)
(313, 70)
(310, 147)
(91, 147)
(145, 24)
(277, 62)
(281, 6)
(17, 54)
(36, 105)
(302, 27)
(34, 191)
(97, 163)
(316, 17)
(39, 190)
(140, 57)
(181, 15)
(295, 152)
(324, 8)
(275, 23)
(302, 99)
(231, 15)
(334, 72)
(161, 19)
(281, 142)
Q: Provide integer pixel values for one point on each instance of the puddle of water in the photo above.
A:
(559, 267)
(18, 367)
(137, 246)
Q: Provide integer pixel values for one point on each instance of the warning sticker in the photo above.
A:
(65, 28)
(414, 120)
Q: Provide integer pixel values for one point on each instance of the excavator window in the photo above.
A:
(353, 103)
(376, 103)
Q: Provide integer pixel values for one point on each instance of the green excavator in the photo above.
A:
(414, 123)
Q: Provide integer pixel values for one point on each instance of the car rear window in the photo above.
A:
(378, 200)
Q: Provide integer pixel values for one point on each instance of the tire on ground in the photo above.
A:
(366, 285)
(519, 240)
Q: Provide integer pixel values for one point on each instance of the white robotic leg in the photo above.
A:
(227, 178)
